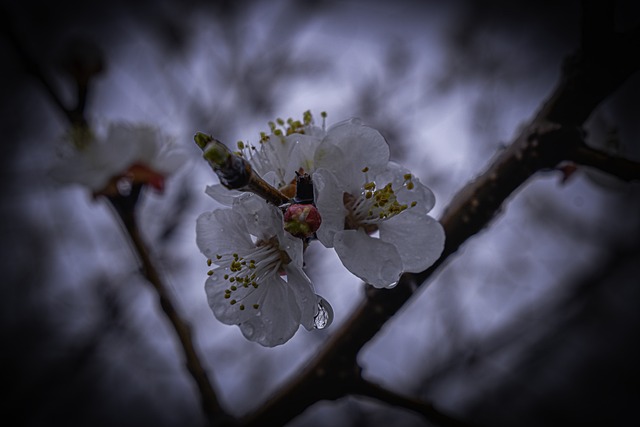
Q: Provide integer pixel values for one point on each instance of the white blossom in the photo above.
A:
(257, 281)
(287, 150)
(374, 212)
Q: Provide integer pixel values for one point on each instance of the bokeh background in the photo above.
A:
(534, 321)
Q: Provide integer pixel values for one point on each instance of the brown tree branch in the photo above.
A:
(551, 137)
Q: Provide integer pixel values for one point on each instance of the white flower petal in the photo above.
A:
(111, 156)
(273, 156)
(227, 313)
(262, 219)
(120, 147)
(357, 147)
(293, 246)
(422, 195)
(306, 298)
(222, 194)
(418, 238)
(302, 154)
(221, 231)
(373, 260)
(329, 201)
(279, 315)
(168, 159)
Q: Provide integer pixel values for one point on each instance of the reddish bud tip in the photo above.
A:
(302, 220)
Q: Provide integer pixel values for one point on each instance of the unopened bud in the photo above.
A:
(302, 220)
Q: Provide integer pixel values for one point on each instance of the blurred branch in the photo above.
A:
(125, 207)
(427, 410)
(31, 65)
(552, 136)
(209, 399)
(626, 170)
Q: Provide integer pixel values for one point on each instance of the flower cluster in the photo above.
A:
(127, 155)
(372, 211)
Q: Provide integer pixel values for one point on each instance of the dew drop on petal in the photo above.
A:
(248, 330)
(324, 317)
(389, 271)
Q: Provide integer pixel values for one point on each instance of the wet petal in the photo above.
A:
(221, 232)
(279, 315)
(262, 219)
(329, 201)
(302, 154)
(373, 260)
(242, 309)
(302, 288)
(418, 238)
(348, 148)
(417, 192)
(222, 194)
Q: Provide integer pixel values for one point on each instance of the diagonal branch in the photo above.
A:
(551, 137)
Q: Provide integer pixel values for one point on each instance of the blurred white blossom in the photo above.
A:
(128, 154)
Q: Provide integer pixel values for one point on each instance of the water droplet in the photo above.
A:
(124, 186)
(390, 273)
(324, 317)
(248, 330)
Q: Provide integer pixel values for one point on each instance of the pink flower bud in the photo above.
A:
(302, 220)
